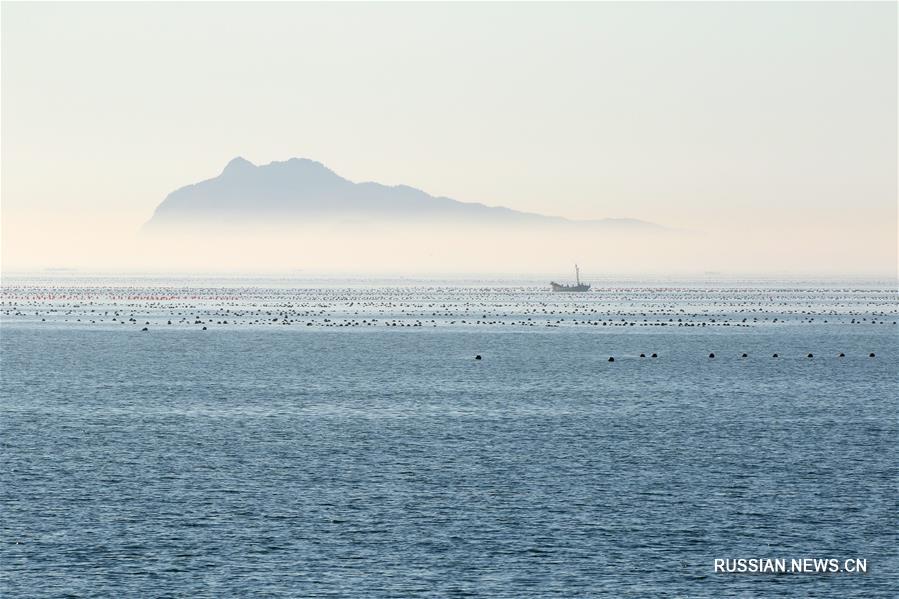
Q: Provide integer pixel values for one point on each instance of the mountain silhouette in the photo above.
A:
(301, 190)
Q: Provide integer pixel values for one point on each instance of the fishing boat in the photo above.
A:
(576, 288)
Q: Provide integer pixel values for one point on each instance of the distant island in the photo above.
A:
(304, 191)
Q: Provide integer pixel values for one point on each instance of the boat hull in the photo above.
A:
(557, 288)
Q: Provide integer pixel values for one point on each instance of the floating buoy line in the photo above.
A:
(148, 308)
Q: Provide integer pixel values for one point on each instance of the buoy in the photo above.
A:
(712, 355)
(642, 355)
(204, 328)
(842, 355)
(611, 359)
(811, 356)
(477, 357)
(745, 356)
(145, 329)
(775, 356)
(871, 355)
(654, 356)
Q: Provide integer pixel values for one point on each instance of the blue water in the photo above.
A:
(254, 459)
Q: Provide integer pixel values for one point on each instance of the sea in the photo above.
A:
(211, 436)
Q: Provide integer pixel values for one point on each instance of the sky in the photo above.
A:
(767, 129)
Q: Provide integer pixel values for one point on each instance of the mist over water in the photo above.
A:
(379, 249)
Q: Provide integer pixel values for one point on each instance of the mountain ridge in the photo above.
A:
(301, 189)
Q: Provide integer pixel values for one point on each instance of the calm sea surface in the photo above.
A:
(340, 440)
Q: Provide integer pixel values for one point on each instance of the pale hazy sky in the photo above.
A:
(774, 119)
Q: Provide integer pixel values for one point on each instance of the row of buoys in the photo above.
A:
(711, 355)
(810, 355)
(745, 355)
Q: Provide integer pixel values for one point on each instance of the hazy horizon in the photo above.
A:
(763, 134)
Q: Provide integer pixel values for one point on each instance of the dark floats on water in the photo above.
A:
(577, 287)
